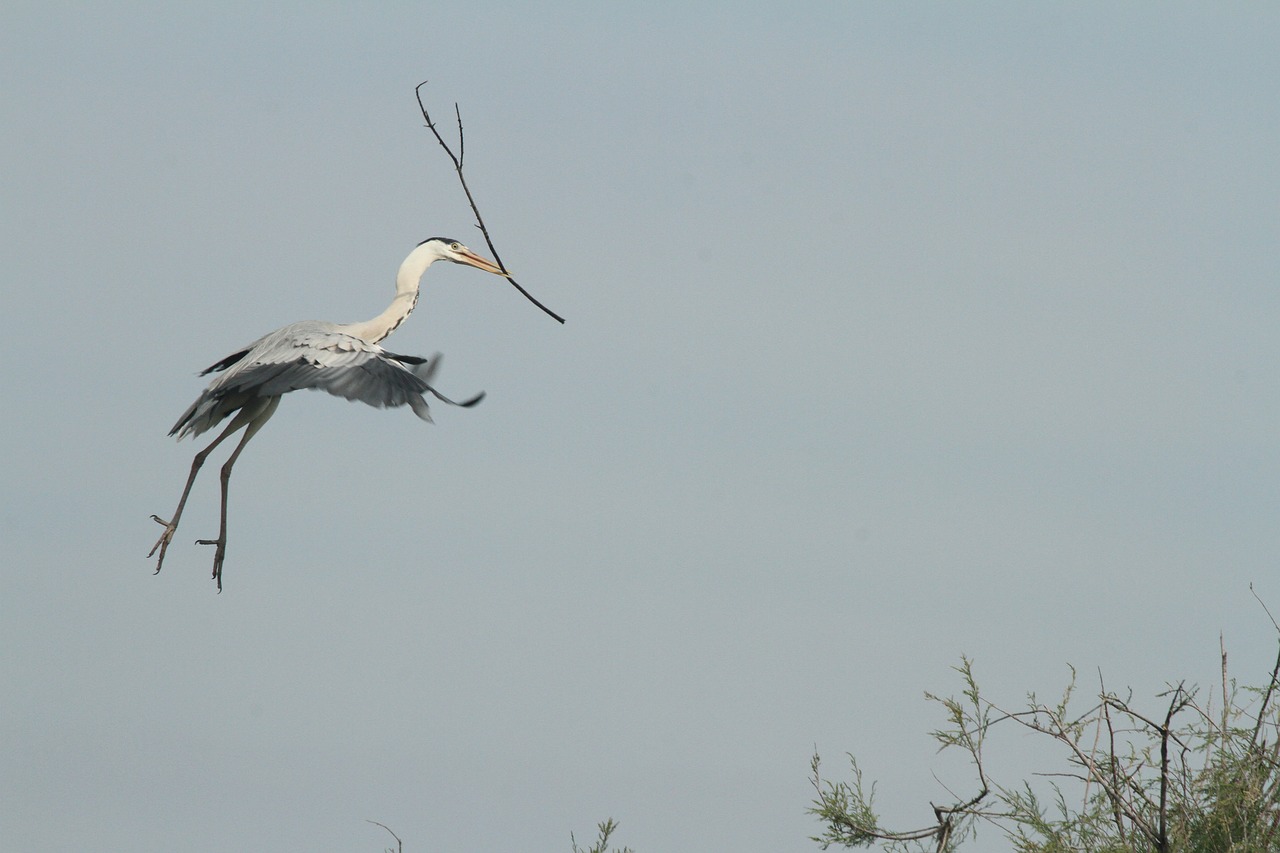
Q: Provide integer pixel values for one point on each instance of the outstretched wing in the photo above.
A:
(318, 356)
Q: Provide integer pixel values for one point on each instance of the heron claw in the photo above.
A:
(162, 544)
(221, 543)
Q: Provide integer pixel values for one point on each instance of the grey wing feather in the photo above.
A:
(317, 356)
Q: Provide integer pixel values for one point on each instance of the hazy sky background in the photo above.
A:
(895, 332)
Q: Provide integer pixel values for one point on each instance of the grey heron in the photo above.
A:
(343, 359)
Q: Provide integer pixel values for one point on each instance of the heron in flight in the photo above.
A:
(343, 359)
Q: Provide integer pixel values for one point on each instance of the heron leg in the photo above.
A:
(162, 544)
(255, 423)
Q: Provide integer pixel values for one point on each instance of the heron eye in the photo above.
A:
(455, 246)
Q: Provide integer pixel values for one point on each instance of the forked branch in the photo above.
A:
(457, 166)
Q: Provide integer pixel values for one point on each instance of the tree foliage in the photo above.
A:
(605, 829)
(1185, 776)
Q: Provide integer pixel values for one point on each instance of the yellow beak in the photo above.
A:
(482, 263)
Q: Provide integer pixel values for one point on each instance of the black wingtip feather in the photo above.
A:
(225, 363)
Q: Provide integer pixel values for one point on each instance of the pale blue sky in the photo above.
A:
(895, 332)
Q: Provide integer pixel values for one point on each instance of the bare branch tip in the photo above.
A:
(399, 842)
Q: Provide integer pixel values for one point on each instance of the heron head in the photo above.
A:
(449, 249)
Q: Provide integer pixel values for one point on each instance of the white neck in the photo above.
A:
(408, 281)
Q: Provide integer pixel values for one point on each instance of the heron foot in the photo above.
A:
(218, 555)
(162, 544)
